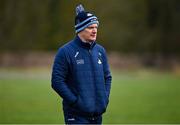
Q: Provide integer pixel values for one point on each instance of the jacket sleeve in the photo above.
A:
(107, 73)
(59, 77)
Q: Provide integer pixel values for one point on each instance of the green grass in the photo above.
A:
(136, 97)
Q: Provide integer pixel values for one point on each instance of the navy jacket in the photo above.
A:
(81, 76)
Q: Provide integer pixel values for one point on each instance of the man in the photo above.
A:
(81, 74)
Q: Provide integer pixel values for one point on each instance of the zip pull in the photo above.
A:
(89, 51)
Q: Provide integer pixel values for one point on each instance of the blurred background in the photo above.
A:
(142, 39)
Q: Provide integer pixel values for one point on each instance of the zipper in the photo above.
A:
(93, 76)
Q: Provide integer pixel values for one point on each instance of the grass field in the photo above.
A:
(136, 97)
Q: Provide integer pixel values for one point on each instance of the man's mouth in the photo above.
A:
(93, 35)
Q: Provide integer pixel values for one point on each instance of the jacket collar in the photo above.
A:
(83, 44)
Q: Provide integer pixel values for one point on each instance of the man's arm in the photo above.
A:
(107, 73)
(59, 77)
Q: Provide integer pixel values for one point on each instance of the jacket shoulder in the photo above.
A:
(65, 47)
(100, 48)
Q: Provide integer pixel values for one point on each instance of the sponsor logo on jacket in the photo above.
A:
(80, 61)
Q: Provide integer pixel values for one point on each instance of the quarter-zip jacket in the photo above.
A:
(81, 76)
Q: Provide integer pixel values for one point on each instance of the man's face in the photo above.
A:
(89, 34)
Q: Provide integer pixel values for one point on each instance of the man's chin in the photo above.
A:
(94, 39)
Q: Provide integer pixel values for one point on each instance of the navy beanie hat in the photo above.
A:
(84, 19)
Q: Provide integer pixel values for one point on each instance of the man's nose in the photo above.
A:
(94, 30)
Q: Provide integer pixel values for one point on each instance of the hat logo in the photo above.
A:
(89, 14)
